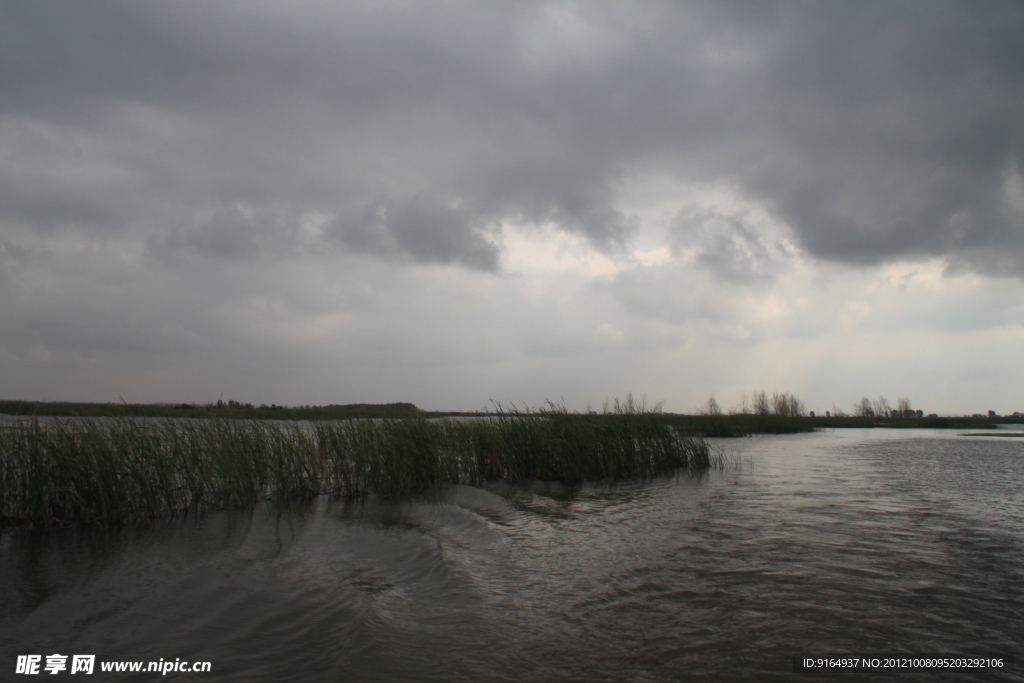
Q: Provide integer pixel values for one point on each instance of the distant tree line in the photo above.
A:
(230, 404)
(785, 404)
(880, 408)
(372, 408)
(375, 408)
(782, 404)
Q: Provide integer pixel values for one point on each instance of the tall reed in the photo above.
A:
(120, 470)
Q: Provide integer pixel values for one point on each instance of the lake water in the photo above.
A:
(850, 541)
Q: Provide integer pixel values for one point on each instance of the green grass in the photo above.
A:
(122, 470)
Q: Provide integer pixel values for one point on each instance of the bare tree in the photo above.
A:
(761, 405)
(882, 407)
(903, 406)
(711, 407)
(863, 409)
(786, 405)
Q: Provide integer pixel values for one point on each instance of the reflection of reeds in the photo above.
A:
(119, 470)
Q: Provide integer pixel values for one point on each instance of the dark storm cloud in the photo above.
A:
(902, 123)
(876, 130)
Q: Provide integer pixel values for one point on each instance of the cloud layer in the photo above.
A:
(216, 154)
(875, 131)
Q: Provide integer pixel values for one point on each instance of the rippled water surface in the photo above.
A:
(859, 541)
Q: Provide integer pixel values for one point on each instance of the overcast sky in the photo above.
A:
(448, 203)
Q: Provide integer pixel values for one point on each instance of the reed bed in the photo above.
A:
(122, 470)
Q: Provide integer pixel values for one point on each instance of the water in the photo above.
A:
(857, 541)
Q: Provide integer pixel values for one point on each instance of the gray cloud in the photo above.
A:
(875, 130)
(731, 245)
(431, 231)
(236, 196)
(228, 234)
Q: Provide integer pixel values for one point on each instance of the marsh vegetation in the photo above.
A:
(120, 470)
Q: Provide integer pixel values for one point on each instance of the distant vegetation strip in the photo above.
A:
(748, 425)
(122, 470)
(1012, 435)
(221, 409)
(705, 424)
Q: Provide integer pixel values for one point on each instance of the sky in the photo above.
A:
(453, 203)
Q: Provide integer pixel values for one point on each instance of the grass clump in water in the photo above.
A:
(122, 470)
